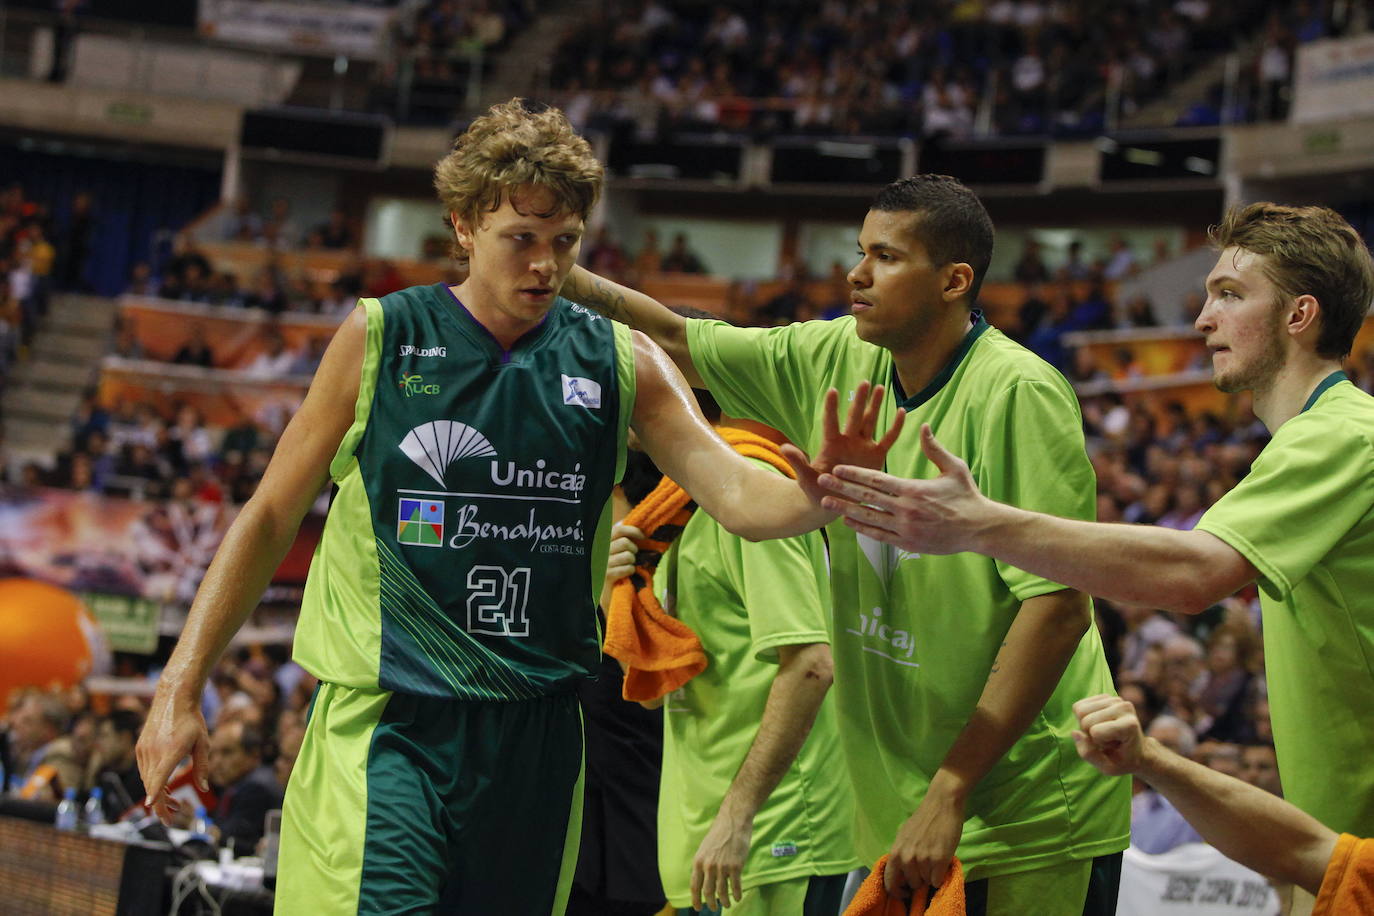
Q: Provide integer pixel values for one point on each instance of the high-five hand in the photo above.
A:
(937, 516)
(852, 446)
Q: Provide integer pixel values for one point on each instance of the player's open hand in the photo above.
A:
(925, 844)
(175, 728)
(718, 866)
(935, 516)
(854, 445)
(1109, 735)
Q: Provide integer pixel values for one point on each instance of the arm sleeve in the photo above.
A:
(772, 375)
(1031, 455)
(1307, 489)
(784, 587)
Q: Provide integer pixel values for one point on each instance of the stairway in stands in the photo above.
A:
(44, 390)
(522, 66)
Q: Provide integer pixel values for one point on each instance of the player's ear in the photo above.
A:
(1304, 314)
(958, 281)
(461, 231)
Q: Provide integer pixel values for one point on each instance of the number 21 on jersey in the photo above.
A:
(496, 601)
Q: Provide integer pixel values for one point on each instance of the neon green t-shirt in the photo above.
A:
(915, 636)
(1304, 516)
(745, 600)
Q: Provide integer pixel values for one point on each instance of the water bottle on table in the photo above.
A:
(67, 813)
(94, 814)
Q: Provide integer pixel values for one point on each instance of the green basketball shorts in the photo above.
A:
(402, 804)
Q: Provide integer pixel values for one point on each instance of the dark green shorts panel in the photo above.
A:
(470, 805)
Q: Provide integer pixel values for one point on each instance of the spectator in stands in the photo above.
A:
(185, 253)
(113, 762)
(1120, 260)
(196, 351)
(784, 308)
(90, 417)
(75, 246)
(102, 462)
(1030, 268)
(1145, 628)
(1259, 766)
(268, 292)
(605, 256)
(244, 224)
(1156, 825)
(246, 788)
(188, 441)
(309, 357)
(1222, 756)
(1274, 66)
(126, 343)
(1184, 674)
(274, 360)
(681, 259)
(195, 285)
(337, 234)
(141, 281)
(289, 738)
(42, 257)
(11, 330)
(45, 764)
(649, 260)
(279, 230)
(380, 277)
(1224, 697)
(1140, 313)
(1074, 267)
(139, 465)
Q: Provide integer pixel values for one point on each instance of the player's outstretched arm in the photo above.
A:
(1179, 570)
(644, 313)
(251, 551)
(1259, 830)
(746, 499)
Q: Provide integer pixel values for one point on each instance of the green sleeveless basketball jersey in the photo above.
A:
(468, 534)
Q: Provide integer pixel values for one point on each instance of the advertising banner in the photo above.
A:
(354, 30)
(1334, 80)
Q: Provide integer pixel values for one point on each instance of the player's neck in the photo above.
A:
(1286, 395)
(501, 324)
(928, 353)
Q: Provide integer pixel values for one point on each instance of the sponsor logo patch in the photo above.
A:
(581, 391)
(437, 444)
(420, 522)
(413, 383)
(412, 350)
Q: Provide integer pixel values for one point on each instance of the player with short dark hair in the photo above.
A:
(954, 676)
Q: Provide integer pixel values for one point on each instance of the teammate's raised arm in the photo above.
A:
(640, 311)
(744, 498)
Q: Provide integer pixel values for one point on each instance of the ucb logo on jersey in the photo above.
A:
(582, 392)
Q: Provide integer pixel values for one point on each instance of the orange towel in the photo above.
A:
(872, 899)
(661, 653)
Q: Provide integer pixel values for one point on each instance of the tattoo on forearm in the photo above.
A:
(997, 662)
(612, 303)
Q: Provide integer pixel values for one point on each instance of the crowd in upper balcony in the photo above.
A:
(883, 66)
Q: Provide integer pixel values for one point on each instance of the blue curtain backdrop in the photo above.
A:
(133, 200)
